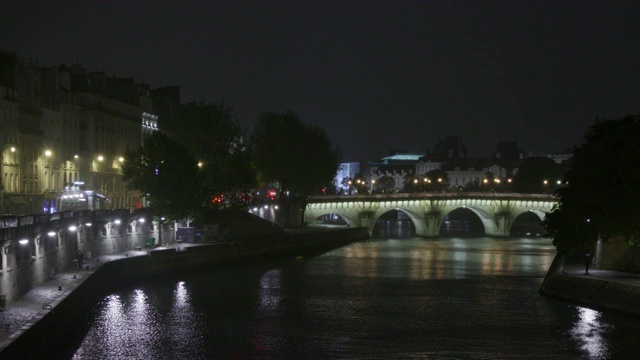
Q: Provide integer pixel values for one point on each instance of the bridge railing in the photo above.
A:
(431, 196)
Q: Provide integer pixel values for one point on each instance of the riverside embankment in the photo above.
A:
(33, 326)
(600, 289)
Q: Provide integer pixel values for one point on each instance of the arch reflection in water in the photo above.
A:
(588, 331)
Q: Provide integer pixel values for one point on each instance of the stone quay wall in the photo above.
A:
(46, 335)
(36, 247)
(597, 293)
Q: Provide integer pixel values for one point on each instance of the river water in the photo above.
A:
(452, 298)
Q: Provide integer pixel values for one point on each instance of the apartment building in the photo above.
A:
(63, 125)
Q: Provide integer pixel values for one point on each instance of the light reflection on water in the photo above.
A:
(449, 258)
(429, 298)
(589, 333)
(134, 328)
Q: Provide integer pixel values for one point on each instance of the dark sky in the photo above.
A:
(378, 75)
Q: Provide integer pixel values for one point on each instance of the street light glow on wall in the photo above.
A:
(47, 153)
(51, 233)
(13, 149)
(121, 159)
(100, 158)
(23, 241)
(73, 228)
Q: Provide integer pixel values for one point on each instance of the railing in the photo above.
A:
(13, 225)
(414, 196)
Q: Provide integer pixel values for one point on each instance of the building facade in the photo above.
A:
(64, 125)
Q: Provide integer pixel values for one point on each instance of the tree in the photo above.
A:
(600, 198)
(167, 174)
(538, 174)
(385, 185)
(436, 180)
(297, 156)
(213, 134)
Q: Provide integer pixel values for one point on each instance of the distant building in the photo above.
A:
(397, 165)
(346, 171)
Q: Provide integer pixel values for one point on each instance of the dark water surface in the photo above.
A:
(411, 298)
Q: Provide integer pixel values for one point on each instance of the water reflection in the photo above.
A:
(588, 331)
(118, 329)
(270, 290)
(429, 298)
(128, 325)
(431, 259)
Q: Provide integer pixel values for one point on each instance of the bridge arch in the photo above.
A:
(527, 222)
(490, 226)
(416, 219)
(349, 221)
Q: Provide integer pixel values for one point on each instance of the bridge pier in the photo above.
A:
(367, 219)
(432, 220)
(503, 224)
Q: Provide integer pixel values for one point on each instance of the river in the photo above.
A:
(457, 298)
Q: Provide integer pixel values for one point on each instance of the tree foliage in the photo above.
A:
(167, 174)
(534, 172)
(601, 198)
(385, 185)
(297, 156)
(213, 134)
(433, 181)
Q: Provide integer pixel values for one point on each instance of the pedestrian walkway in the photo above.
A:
(574, 266)
(22, 313)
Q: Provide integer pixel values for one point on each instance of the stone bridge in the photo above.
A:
(497, 211)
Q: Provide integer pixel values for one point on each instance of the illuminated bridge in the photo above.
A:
(496, 211)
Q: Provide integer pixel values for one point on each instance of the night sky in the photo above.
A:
(378, 75)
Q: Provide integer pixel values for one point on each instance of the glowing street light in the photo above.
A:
(47, 153)
(100, 158)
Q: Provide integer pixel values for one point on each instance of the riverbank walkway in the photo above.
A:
(21, 314)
